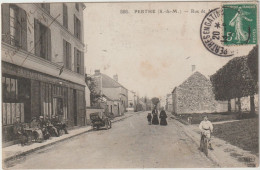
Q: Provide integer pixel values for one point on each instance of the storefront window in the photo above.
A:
(10, 89)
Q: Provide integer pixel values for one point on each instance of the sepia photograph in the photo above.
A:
(130, 84)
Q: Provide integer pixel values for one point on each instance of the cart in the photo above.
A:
(99, 120)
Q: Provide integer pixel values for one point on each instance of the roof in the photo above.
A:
(195, 80)
(108, 82)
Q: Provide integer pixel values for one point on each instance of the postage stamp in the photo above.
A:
(228, 27)
(240, 24)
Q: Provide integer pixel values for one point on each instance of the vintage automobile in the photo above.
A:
(99, 119)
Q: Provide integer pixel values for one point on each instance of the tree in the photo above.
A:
(155, 101)
(94, 95)
(236, 79)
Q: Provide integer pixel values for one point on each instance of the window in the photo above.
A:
(77, 6)
(14, 26)
(67, 54)
(42, 40)
(10, 89)
(78, 61)
(46, 6)
(77, 27)
(65, 15)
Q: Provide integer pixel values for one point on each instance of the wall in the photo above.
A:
(195, 100)
(87, 96)
(245, 104)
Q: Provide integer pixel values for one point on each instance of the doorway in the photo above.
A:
(58, 106)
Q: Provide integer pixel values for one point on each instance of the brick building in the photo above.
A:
(195, 95)
(42, 63)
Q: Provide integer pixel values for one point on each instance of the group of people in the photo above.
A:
(153, 118)
(39, 129)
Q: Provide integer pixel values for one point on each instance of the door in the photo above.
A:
(75, 110)
(58, 106)
(24, 91)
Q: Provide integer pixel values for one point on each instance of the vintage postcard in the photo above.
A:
(90, 85)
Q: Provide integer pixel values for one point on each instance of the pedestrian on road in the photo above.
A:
(149, 118)
(163, 117)
(155, 120)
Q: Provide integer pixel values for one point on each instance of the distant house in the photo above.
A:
(195, 95)
(169, 102)
(113, 90)
(132, 99)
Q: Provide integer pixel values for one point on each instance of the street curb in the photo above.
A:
(55, 142)
(210, 156)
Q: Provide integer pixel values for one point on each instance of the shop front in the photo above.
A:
(28, 93)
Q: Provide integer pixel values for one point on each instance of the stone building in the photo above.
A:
(112, 89)
(195, 95)
(42, 63)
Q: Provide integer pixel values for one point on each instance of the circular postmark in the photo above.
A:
(211, 34)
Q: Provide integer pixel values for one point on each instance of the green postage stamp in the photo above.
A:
(240, 24)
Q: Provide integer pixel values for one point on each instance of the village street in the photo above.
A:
(131, 143)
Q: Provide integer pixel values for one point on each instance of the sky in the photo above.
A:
(151, 53)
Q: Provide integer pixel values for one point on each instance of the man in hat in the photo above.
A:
(19, 131)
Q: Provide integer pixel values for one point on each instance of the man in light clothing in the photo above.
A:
(206, 128)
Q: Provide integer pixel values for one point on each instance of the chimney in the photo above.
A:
(193, 68)
(97, 72)
(115, 77)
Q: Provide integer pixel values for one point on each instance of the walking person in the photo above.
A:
(155, 120)
(149, 118)
(163, 117)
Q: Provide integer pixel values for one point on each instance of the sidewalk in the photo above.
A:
(224, 154)
(15, 151)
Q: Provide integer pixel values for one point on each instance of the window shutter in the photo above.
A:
(64, 54)
(65, 16)
(18, 27)
(47, 7)
(24, 29)
(37, 35)
(49, 44)
(75, 59)
(75, 25)
(79, 29)
(6, 23)
(82, 62)
(69, 55)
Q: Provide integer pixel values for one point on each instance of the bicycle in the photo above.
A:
(204, 143)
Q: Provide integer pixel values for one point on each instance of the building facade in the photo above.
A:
(195, 95)
(42, 63)
(112, 89)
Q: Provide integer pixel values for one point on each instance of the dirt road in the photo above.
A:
(131, 143)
